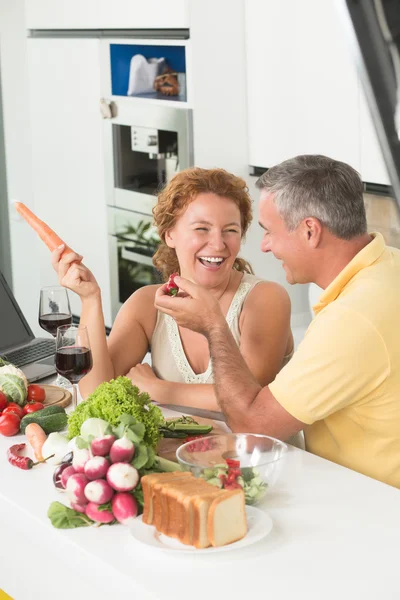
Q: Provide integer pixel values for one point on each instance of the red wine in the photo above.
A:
(51, 321)
(73, 362)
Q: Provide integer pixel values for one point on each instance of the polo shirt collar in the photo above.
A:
(366, 257)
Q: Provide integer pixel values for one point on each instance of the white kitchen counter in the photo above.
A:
(336, 534)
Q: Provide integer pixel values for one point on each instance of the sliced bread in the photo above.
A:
(227, 518)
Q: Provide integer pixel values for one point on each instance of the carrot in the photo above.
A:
(36, 438)
(49, 237)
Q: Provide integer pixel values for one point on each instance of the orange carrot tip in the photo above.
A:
(46, 234)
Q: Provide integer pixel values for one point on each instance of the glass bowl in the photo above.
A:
(248, 460)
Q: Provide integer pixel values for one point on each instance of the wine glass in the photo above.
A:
(54, 310)
(73, 355)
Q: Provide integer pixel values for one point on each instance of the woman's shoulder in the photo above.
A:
(140, 306)
(266, 293)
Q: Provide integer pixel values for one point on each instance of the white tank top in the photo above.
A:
(168, 357)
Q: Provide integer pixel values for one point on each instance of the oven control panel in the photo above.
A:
(144, 139)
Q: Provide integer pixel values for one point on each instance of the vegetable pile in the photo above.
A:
(18, 399)
(118, 397)
(112, 399)
(102, 475)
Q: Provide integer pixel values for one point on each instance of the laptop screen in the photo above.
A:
(14, 330)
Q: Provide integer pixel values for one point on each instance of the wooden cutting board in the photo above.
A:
(56, 396)
(168, 446)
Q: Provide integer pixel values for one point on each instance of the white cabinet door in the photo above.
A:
(103, 14)
(67, 152)
(62, 14)
(302, 85)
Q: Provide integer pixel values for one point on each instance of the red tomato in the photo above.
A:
(32, 407)
(12, 407)
(9, 424)
(3, 401)
(36, 392)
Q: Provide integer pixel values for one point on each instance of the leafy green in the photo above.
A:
(12, 384)
(141, 456)
(62, 517)
(112, 399)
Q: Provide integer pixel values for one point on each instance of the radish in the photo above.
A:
(76, 488)
(98, 491)
(79, 507)
(122, 451)
(101, 516)
(122, 477)
(66, 474)
(124, 507)
(81, 456)
(96, 467)
(101, 445)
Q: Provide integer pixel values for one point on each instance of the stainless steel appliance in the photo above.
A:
(145, 144)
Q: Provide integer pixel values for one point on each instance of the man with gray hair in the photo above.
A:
(342, 385)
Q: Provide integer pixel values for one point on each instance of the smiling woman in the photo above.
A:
(201, 216)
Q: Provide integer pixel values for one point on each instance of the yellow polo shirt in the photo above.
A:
(344, 379)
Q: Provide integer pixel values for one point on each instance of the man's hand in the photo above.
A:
(194, 307)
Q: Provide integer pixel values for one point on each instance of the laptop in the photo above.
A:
(18, 345)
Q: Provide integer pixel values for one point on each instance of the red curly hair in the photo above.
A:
(183, 188)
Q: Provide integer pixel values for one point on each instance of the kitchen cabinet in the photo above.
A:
(101, 14)
(304, 94)
(67, 153)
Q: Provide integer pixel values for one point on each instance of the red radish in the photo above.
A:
(96, 467)
(101, 516)
(122, 477)
(124, 507)
(76, 488)
(79, 507)
(98, 491)
(66, 474)
(101, 446)
(81, 456)
(122, 451)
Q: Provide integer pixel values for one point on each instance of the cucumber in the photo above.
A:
(57, 421)
(50, 410)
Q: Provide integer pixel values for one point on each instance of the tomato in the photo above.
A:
(36, 392)
(9, 424)
(32, 407)
(12, 407)
(3, 401)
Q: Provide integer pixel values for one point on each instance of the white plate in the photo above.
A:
(259, 525)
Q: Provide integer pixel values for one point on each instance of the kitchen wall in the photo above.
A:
(383, 216)
(14, 77)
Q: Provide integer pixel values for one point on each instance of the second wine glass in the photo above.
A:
(73, 355)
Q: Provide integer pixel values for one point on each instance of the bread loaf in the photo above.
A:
(192, 510)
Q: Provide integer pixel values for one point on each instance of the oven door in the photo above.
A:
(132, 241)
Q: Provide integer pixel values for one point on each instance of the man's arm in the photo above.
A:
(247, 406)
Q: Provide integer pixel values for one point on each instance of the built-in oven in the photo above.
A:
(133, 241)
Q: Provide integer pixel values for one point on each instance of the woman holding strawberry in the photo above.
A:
(202, 217)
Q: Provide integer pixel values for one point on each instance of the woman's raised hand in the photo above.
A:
(73, 274)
